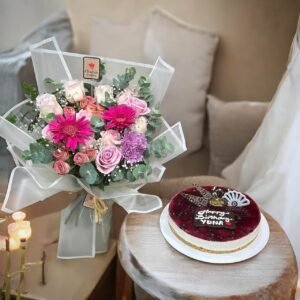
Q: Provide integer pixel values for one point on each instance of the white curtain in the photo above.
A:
(269, 168)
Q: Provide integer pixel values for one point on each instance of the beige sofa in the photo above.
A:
(255, 37)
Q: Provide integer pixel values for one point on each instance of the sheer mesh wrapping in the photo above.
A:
(50, 62)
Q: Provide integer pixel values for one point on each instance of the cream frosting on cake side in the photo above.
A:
(213, 246)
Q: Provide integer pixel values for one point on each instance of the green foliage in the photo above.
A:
(39, 153)
(117, 175)
(102, 69)
(139, 171)
(108, 101)
(89, 88)
(144, 91)
(51, 86)
(89, 173)
(160, 147)
(122, 81)
(12, 118)
(154, 122)
(96, 123)
(30, 92)
(49, 117)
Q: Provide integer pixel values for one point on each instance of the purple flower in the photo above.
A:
(133, 146)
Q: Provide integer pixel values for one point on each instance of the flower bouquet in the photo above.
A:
(101, 132)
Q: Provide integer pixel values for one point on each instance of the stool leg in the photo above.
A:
(124, 284)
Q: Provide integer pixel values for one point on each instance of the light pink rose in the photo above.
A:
(69, 110)
(46, 134)
(83, 113)
(124, 96)
(108, 158)
(61, 154)
(80, 158)
(61, 167)
(74, 90)
(110, 137)
(140, 106)
(47, 104)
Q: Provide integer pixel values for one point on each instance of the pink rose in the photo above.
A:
(74, 90)
(140, 106)
(87, 100)
(95, 109)
(69, 110)
(46, 134)
(124, 96)
(83, 113)
(91, 153)
(47, 104)
(110, 137)
(61, 154)
(61, 167)
(80, 158)
(108, 158)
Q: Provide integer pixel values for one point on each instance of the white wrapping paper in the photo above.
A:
(30, 183)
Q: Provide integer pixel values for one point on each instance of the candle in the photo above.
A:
(3, 243)
(14, 244)
(20, 229)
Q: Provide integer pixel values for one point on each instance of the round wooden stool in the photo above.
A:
(164, 273)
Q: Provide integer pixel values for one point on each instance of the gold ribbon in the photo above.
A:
(100, 209)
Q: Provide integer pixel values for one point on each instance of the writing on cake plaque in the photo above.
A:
(215, 219)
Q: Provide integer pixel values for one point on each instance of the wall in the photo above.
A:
(255, 36)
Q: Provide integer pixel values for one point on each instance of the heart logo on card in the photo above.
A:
(91, 65)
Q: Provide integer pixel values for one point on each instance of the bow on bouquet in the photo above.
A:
(105, 136)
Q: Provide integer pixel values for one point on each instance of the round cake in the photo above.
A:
(214, 219)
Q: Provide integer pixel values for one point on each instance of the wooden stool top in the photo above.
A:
(167, 274)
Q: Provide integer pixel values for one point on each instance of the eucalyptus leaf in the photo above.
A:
(117, 175)
(96, 122)
(89, 173)
(39, 153)
(130, 176)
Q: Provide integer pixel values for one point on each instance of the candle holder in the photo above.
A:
(19, 233)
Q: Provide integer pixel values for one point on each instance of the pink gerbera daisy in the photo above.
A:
(70, 131)
(119, 117)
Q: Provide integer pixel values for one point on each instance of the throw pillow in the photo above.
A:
(231, 126)
(117, 40)
(191, 51)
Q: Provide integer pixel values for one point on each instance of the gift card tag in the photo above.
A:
(89, 201)
(91, 68)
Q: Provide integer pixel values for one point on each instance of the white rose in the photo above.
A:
(74, 90)
(100, 91)
(48, 104)
(140, 125)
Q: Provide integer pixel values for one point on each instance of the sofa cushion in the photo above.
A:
(191, 51)
(231, 126)
(118, 40)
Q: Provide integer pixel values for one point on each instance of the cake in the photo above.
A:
(214, 219)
